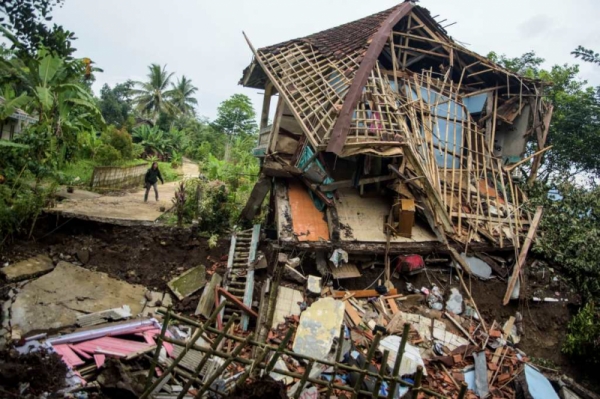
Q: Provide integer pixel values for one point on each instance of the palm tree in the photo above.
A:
(151, 97)
(182, 96)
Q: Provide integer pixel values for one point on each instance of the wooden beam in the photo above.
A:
(257, 196)
(523, 254)
(264, 117)
(279, 88)
(522, 161)
(207, 300)
(350, 183)
(235, 301)
(276, 122)
(541, 142)
(362, 293)
(420, 57)
(342, 123)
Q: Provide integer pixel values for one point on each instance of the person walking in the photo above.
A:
(151, 180)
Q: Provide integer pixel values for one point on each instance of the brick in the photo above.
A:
(495, 333)
(457, 358)
(492, 367)
(502, 378)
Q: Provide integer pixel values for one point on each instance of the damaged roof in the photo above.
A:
(343, 39)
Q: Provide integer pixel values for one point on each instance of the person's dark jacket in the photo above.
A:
(152, 176)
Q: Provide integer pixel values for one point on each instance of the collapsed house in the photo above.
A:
(389, 141)
(389, 138)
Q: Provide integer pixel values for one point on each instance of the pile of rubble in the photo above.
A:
(218, 332)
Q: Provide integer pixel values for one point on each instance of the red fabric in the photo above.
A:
(410, 263)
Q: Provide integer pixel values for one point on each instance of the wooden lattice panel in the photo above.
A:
(313, 85)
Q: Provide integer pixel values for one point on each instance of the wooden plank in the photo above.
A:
(257, 196)
(250, 276)
(207, 300)
(353, 314)
(509, 327)
(350, 183)
(362, 293)
(236, 302)
(393, 306)
(460, 328)
(342, 123)
(523, 254)
(349, 270)
(264, 116)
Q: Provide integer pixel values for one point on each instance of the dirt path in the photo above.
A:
(124, 209)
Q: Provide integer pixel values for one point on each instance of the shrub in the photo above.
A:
(119, 139)
(583, 337)
(108, 155)
(215, 209)
(570, 234)
(137, 150)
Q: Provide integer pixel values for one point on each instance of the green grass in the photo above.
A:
(167, 171)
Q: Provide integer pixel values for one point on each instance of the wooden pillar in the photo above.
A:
(264, 116)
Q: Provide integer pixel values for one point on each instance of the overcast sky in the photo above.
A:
(203, 39)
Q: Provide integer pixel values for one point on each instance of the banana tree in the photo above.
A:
(52, 89)
(152, 138)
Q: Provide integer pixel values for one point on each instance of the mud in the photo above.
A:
(31, 374)
(150, 256)
(264, 388)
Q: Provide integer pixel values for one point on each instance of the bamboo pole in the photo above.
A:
(382, 368)
(338, 355)
(523, 254)
(187, 347)
(262, 366)
(216, 374)
(159, 342)
(305, 376)
(204, 360)
(398, 362)
(370, 354)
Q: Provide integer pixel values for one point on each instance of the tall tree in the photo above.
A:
(586, 54)
(182, 96)
(115, 103)
(151, 97)
(28, 22)
(236, 116)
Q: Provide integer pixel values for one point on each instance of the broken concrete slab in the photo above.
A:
(189, 282)
(292, 274)
(28, 268)
(287, 304)
(481, 374)
(91, 319)
(319, 325)
(313, 286)
(56, 299)
(411, 358)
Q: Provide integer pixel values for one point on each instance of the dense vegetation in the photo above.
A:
(132, 122)
(567, 187)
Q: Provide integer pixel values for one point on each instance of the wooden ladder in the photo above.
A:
(239, 278)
